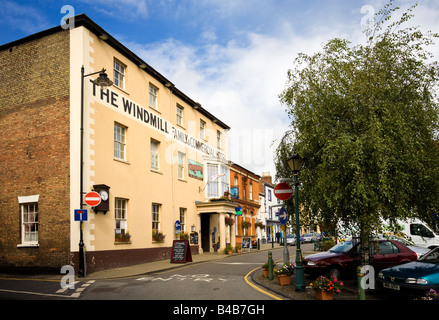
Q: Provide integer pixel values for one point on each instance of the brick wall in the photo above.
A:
(34, 144)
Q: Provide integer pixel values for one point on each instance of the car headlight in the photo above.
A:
(311, 263)
(416, 281)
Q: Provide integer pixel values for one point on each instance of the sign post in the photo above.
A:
(283, 218)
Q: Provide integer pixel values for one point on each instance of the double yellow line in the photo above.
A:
(257, 288)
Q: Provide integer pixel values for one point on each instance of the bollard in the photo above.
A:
(270, 266)
(361, 291)
(259, 244)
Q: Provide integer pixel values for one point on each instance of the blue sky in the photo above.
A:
(232, 56)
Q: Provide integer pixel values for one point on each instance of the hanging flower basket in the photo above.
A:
(245, 225)
(229, 221)
(260, 225)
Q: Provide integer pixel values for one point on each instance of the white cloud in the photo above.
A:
(239, 80)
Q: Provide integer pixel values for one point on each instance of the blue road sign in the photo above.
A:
(177, 225)
(81, 214)
(283, 215)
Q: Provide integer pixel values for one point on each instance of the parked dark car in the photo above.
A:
(344, 258)
(414, 278)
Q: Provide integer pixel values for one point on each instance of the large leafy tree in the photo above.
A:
(365, 118)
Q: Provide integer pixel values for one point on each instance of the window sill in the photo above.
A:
(122, 242)
(156, 171)
(156, 110)
(121, 160)
(28, 245)
(121, 89)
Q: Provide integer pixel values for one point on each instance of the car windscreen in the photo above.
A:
(431, 256)
(342, 247)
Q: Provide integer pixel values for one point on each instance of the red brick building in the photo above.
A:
(244, 186)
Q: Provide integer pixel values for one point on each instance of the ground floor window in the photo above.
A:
(120, 213)
(29, 218)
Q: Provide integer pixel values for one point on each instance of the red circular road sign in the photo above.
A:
(283, 191)
(92, 198)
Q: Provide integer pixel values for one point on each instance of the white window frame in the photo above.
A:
(181, 164)
(120, 132)
(202, 129)
(183, 219)
(155, 155)
(153, 97)
(29, 205)
(119, 74)
(218, 139)
(155, 216)
(217, 186)
(179, 115)
(120, 214)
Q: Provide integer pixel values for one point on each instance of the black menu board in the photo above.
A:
(181, 252)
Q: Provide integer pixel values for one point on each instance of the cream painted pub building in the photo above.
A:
(155, 155)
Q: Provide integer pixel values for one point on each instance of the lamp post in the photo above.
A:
(295, 163)
(103, 82)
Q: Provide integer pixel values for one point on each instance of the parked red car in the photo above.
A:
(344, 258)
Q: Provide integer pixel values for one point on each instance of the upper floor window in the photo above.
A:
(153, 97)
(155, 155)
(119, 74)
(218, 139)
(179, 115)
(202, 129)
(181, 157)
(119, 141)
(218, 180)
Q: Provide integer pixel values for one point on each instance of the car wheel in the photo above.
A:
(334, 271)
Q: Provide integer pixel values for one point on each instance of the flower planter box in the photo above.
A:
(324, 295)
(265, 271)
(283, 279)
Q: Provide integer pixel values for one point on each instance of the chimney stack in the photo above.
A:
(266, 177)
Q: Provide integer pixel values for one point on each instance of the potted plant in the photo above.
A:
(122, 237)
(284, 274)
(238, 248)
(326, 287)
(265, 269)
(229, 249)
(157, 235)
(184, 236)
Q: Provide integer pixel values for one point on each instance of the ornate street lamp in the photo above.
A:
(103, 82)
(295, 163)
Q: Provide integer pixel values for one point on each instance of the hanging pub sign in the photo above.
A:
(181, 252)
(195, 169)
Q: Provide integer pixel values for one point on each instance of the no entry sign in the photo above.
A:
(283, 191)
(92, 199)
